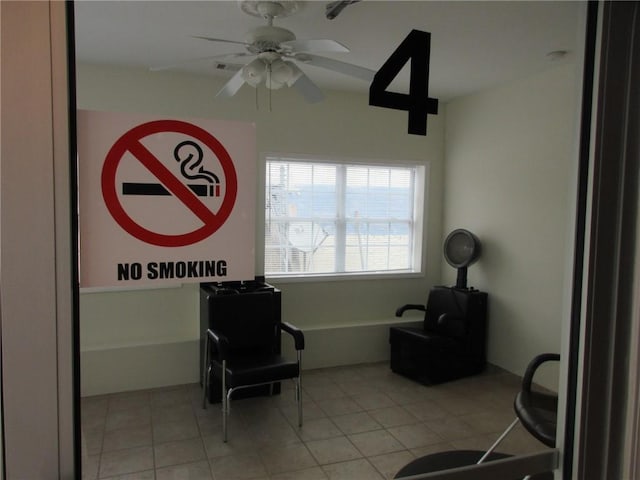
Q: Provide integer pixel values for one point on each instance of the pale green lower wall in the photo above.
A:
(137, 367)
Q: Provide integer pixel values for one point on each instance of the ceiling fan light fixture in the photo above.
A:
(254, 72)
(278, 51)
(273, 85)
(281, 72)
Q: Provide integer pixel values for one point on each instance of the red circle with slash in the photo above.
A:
(130, 142)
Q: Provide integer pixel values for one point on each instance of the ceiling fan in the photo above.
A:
(275, 52)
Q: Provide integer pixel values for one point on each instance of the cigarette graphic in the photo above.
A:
(135, 188)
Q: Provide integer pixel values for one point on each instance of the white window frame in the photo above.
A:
(418, 222)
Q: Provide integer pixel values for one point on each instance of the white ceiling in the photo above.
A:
(474, 45)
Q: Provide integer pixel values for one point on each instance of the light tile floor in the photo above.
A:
(360, 422)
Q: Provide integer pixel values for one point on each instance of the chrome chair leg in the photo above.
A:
(299, 388)
(498, 441)
(225, 424)
(205, 400)
(299, 401)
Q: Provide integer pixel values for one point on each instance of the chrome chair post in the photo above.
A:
(498, 441)
(299, 388)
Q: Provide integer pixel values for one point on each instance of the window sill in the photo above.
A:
(350, 277)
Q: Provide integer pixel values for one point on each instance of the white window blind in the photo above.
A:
(339, 218)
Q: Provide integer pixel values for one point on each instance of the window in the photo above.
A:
(338, 218)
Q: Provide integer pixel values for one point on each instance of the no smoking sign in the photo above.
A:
(165, 201)
(184, 174)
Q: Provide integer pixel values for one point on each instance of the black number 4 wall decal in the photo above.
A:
(415, 47)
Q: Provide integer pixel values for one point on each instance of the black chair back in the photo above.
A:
(469, 312)
(249, 324)
(445, 300)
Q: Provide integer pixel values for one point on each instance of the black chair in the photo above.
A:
(243, 351)
(450, 344)
(537, 411)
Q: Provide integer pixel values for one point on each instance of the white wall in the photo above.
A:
(508, 154)
(127, 325)
(508, 170)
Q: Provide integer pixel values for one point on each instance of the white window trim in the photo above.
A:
(419, 221)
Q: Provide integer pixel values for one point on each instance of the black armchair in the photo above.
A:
(242, 351)
(450, 344)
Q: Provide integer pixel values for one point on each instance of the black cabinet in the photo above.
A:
(234, 302)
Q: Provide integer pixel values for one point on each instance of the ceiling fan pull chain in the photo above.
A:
(269, 86)
(257, 104)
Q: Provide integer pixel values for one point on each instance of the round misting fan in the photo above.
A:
(461, 249)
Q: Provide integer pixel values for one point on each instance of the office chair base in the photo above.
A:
(440, 461)
(499, 440)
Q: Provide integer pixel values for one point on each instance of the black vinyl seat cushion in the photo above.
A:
(537, 411)
(249, 369)
(538, 414)
(434, 341)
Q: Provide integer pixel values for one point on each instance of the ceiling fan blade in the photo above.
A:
(224, 57)
(212, 39)
(319, 45)
(232, 86)
(341, 67)
(333, 9)
(160, 68)
(226, 66)
(304, 86)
